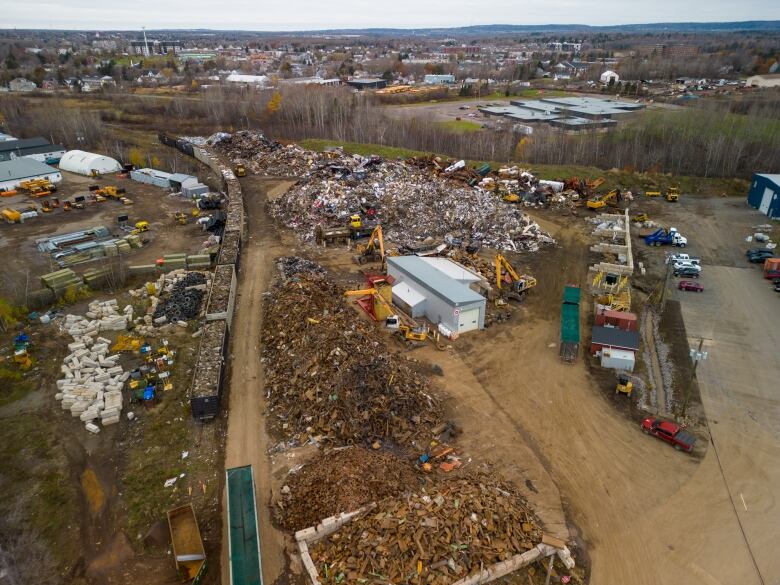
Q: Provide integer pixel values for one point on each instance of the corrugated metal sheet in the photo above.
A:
(570, 323)
(433, 279)
(614, 337)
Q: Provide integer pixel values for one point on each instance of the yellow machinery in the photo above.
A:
(127, 343)
(7, 192)
(601, 201)
(46, 206)
(410, 333)
(379, 307)
(673, 194)
(141, 226)
(180, 217)
(240, 170)
(640, 218)
(38, 187)
(355, 222)
(512, 198)
(519, 284)
(11, 215)
(22, 359)
(652, 193)
(373, 250)
(624, 385)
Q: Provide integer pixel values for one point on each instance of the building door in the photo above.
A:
(468, 320)
(766, 200)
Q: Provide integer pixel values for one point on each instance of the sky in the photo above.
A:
(318, 14)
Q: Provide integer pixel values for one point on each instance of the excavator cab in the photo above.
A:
(355, 222)
(624, 385)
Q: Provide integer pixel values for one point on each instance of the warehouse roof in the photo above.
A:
(40, 149)
(435, 280)
(7, 145)
(613, 337)
(23, 168)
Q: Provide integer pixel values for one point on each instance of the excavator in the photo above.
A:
(374, 250)
(600, 201)
(380, 309)
(673, 194)
(519, 284)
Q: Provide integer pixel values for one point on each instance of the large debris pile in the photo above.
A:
(91, 386)
(289, 266)
(329, 380)
(342, 480)
(437, 536)
(410, 202)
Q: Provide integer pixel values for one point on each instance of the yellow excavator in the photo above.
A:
(518, 286)
(381, 310)
(373, 250)
(624, 385)
(673, 194)
(600, 201)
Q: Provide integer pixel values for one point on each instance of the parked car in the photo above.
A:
(686, 264)
(669, 432)
(752, 251)
(687, 272)
(777, 287)
(692, 286)
(759, 257)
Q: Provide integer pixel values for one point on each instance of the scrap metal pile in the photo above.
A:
(342, 480)
(329, 381)
(410, 201)
(184, 299)
(437, 536)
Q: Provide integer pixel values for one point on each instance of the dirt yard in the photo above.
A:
(150, 203)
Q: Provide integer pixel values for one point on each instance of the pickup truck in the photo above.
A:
(662, 237)
(669, 432)
(687, 272)
(677, 258)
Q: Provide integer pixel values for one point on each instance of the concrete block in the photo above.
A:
(110, 421)
(92, 428)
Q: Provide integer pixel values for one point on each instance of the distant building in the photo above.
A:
(150, 47)
(764, 194)
(609, 76)
(8, 148)
(175, 181)
(768, 80)
(95, 83)
(85, 163)
(447, 78)
(104, 44)
(13, 172)
(258, 80)
(668, 51)
(362, 84)
(21, 84)
(35, 148)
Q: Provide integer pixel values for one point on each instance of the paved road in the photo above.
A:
(738, 316)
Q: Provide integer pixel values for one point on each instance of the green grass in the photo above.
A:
(637, 182)
(460, 126)
(13, 386)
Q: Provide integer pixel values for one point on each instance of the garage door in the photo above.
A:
(468, 320)
(766, 200)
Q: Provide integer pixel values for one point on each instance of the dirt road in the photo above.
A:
(247, 441)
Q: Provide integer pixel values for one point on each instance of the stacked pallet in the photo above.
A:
(61, 280)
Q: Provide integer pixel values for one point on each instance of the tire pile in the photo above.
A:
(183, 303)
(329, 381)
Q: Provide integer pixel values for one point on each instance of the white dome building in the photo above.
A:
(84, 163)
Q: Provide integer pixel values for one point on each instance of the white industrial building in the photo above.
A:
(259, 80)
(175, 181)
(84, 163)
(768, 80)
(15, 171)
(439, 290)
(608, 76)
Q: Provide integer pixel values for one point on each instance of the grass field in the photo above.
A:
(460, 126)
(637, 182)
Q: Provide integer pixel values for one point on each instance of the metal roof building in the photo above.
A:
(15, 171)
(439, 290)
(613, 338)
(764, 194)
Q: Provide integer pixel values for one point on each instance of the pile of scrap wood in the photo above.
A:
(328, 378)
(436, 536)
(342, 479)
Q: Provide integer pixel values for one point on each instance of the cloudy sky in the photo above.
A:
(319, 14)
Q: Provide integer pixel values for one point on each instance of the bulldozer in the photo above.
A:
(673, 194)
(640, 218)
(180, 217)
(140, 227)
(240, 170)
(374, 250)
(624, 385)
(512, 198)
(600, 201)
(519, 285)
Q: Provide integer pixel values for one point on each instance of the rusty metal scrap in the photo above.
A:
(436, 536)
(329, 380)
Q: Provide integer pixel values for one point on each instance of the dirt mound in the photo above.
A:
(329, 380)
(452, 529)
(343, 481)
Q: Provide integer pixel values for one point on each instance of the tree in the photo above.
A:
(274, 104)
(107, 67)
(136, 158)
(11, 62)
(387, 75)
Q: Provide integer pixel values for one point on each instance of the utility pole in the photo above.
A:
(697, 355)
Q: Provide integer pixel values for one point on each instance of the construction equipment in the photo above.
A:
(11, 215)
(22, 359)
(188, 551)
(373, 250)
(673, 194)
(38, 187)
(46, 206)
(640, 218)
(355, 222)
(600, 201)
(411, 333)
(180, 217)
(140, 227)
(376, 300)
(662, 237)
(624, 385)
(66, 205)
(240, 170)
(55, 202)
(7, 192)
(652, 193)
(512, 198)
(125, 343)
(519, 284)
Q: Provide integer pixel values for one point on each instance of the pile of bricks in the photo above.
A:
(91, 386)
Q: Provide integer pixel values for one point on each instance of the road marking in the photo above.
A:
(743, 501)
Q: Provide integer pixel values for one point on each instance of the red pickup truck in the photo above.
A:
(670, 432)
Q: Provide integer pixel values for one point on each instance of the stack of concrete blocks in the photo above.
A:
(91, 387)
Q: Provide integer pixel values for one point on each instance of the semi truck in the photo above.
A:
(664, 237)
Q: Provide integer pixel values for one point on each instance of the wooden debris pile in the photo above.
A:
(328, 379)
(342, 480)
(436, 536)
